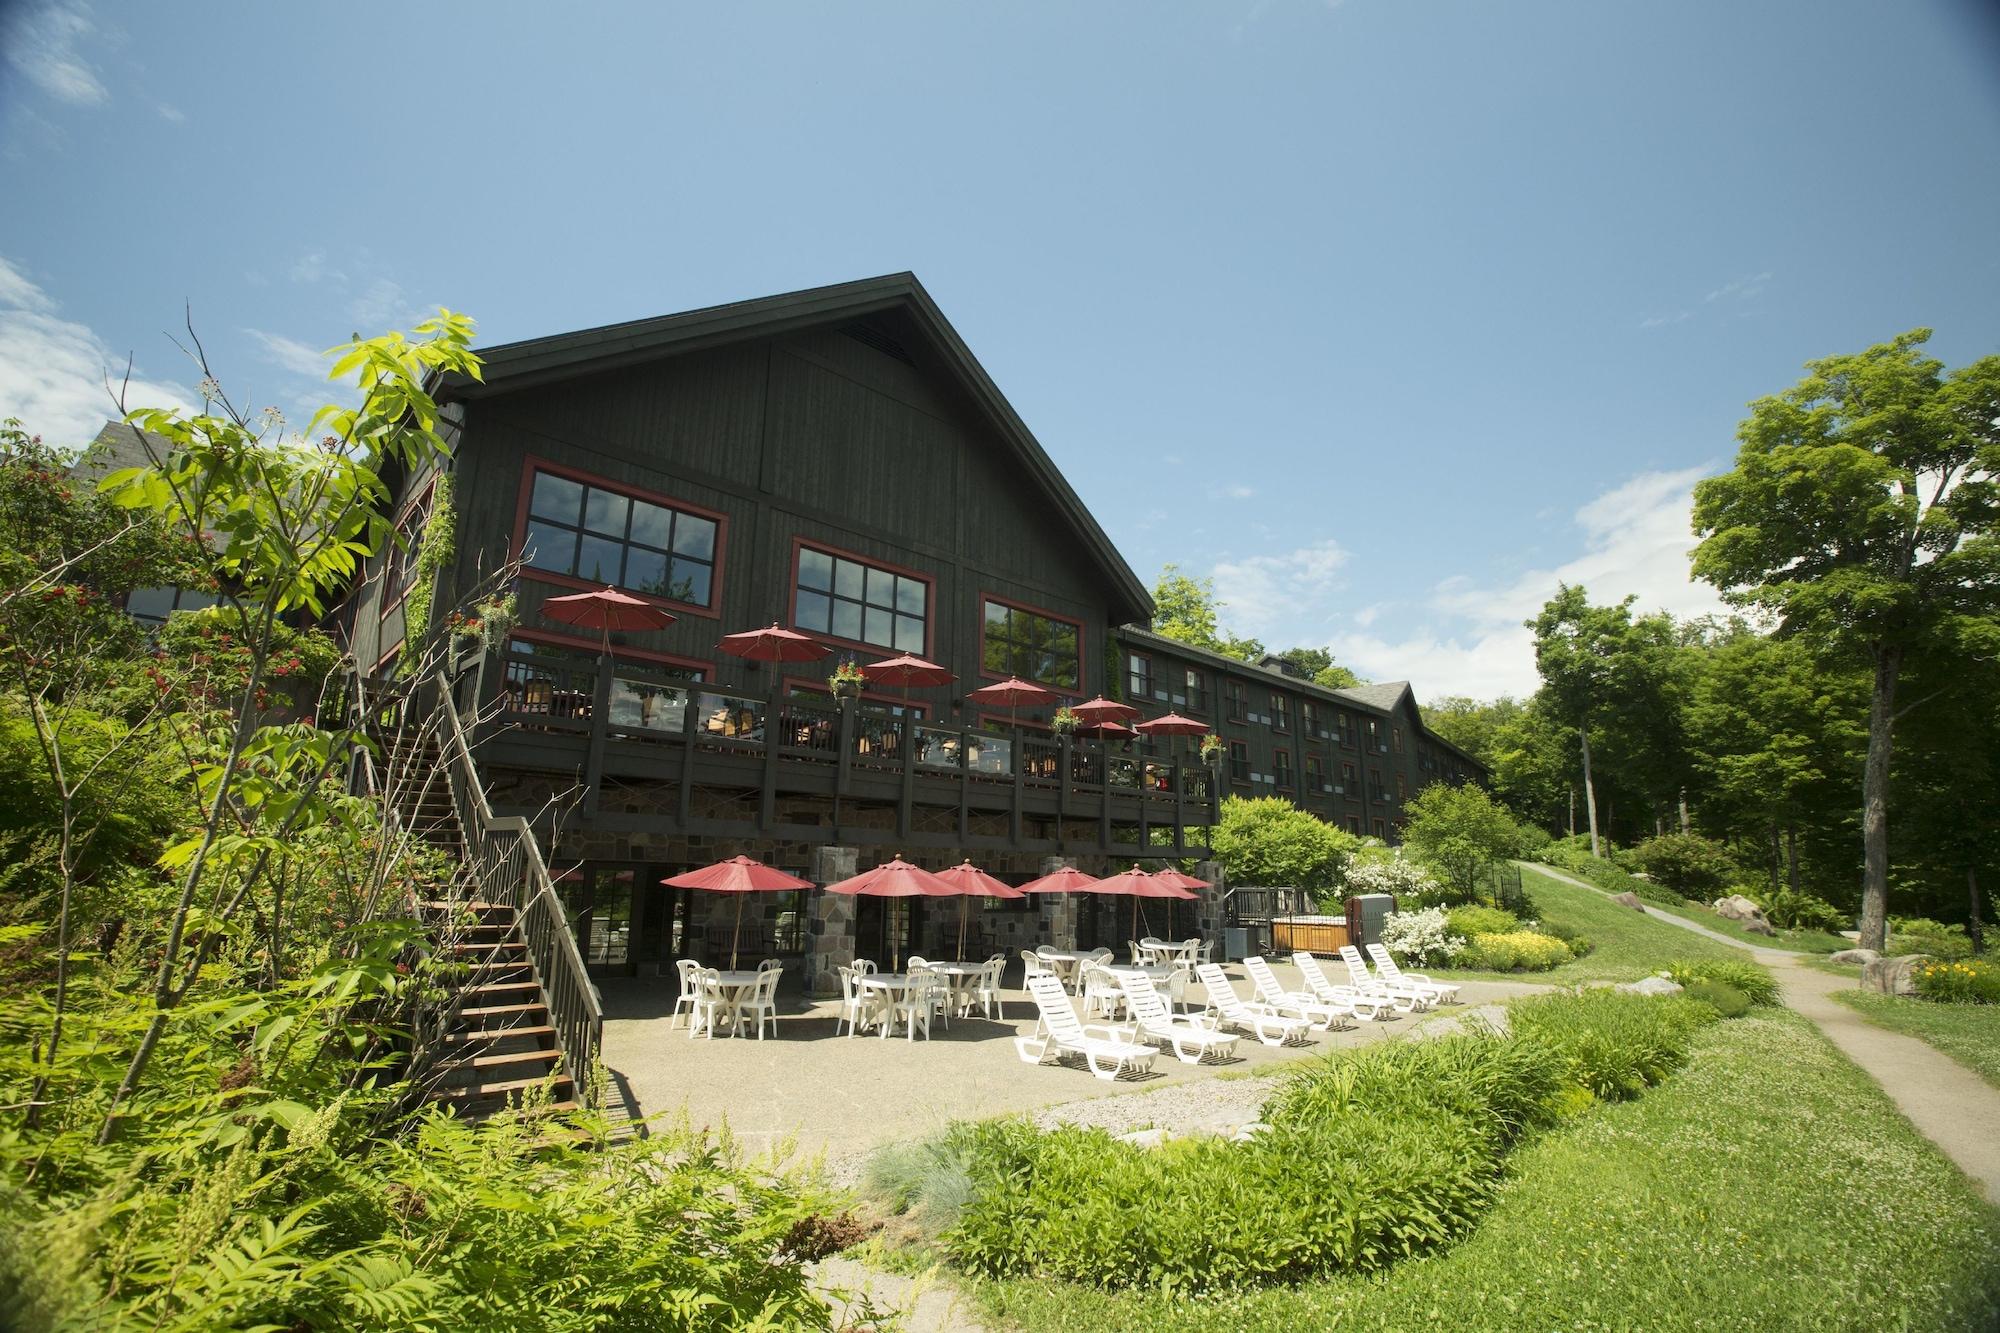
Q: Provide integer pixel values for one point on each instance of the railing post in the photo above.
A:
(908, 795)
(684, 798)
(964, 783)
(1180, 809)
(767, 799)
(843, 761)
(600, 719)
(1019, 757)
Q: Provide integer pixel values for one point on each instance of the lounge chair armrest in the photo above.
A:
(1124, 1032)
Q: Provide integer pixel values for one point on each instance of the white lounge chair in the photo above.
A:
(1109, 1053)
(1192, 1040)
(1443, 992)
(1405, 997)
(1320, 1013)
(1364, 1004)
(1259, 1020)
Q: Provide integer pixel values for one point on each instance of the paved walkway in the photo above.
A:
(1952, 1106)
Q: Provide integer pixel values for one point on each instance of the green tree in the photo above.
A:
(1862, 510)
(1470, 724)
(1458, 831)
(1185, 609)
(1576, 645)
(1317, 665)
(1266, 840)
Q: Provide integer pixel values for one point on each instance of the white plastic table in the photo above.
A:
(891, 985)
(1065, 962)
(735, 983)
(958, 976)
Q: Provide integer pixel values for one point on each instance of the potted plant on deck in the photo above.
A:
(1065, 722)
(1211, 749)
(846, 680)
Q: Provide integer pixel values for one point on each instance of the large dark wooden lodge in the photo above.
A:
(834, 460)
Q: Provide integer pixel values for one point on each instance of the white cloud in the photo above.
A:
(382, 304)
(1636, 542)
(1661, 321)
(1264, 596)
(1742, 289)
(53, 371)
(172, 114)
(1238, 491)
(41, 42)
(289, 354)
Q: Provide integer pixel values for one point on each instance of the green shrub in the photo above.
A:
(1687, 863)
(1371, 1156)
(1512, 951)
(1720, 996)
(1466, 922)
(1615, 1044)
(1797, 911)
(1954, 982)
(1742, 974)
(927, 1178)
(1922, 935)
(1607, 874)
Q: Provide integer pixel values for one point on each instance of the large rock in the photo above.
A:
(1653, 986)
(1863, 956)
(1744, 913)
(1891, 976)
(1628, 899)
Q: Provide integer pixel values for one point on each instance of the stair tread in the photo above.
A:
(472, 1090)
(488, 1011)
(495, 1034)
(489, 986)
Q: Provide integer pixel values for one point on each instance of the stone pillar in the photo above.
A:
(1056, 912)
(832, 942)
(1211, 911)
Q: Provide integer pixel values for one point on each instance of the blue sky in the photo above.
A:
(1385, 315)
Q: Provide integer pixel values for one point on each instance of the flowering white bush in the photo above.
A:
(1383, 874)
(1421, 937)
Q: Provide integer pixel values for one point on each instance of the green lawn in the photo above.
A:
(1628, 944)
(1968, 1033)
(1804, 941)
(1768, 1186)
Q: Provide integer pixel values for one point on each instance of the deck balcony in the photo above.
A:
(653, 752)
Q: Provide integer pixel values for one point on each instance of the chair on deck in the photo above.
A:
(710, 1001)
(1362, 1003)
(1192, 1040)
(759, 1002)
(858, 1008)
(689, 971)
(985, 990)
(1444, 992)
(1109, 1053)
(1266, 1024)
(1101, 992)
(914, 1005)
(1320, 1013)
(1034, 965)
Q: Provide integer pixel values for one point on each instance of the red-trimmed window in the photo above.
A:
(1196, 688)
(1015, 641)
(1239, 761)
(1238, 701)
(1315, 773)
(1138, 676)
(1396, 739)
(402, 566)
(591, 531)
(1281, 712)
(1281, 768)
(1347, 780)
(845, 598)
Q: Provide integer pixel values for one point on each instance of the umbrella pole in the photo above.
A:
(735, 932)
(962, 910)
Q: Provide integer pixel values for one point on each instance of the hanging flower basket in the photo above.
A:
(846, 680)
(1064, 723)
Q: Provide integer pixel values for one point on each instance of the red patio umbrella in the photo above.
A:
(1136, 884)
(907, 671)
(739, 874)
(1101, 709)
(1169, 875)
(1172, 724)
(1066, 879)
(774, 645)
(607, 610)
(972, 882)
(1108, 731)
(895, 878)
(1012, 693)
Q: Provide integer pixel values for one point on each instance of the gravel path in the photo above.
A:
(1213, 1106)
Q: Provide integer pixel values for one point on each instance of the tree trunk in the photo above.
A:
(1775, 863)
(1572, 810)
(1684, 810)
(1792, 854)
(1973, 926)
(1875, 800)
(1589, 792)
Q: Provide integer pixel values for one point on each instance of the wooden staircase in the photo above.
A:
(496, 1041)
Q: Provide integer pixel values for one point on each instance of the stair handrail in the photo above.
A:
(507, 865)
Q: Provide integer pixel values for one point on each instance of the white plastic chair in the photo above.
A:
(1406, 997)
(1137, 951)
(1101, 992)
(862, 967)
(1177, 984)
(858, 1008)
(1442, 992)
(1266, 1024)
(1110, 1053)
(913, 1005)
(690, 972)
(759, 1002)
(710, 1002)
(985, 991)
(1320, 1013)
(1034, 965)
(1192, 1040)
(1364, 1004)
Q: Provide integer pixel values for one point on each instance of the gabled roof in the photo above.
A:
(1382, 695)
(591, 351)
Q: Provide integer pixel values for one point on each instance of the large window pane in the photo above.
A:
(694, 537)
(556, 498)
(848, 579)
(1036, 647)
(551, 548)
(816, 571)
(910, 597)
(690, 583)
(604, 512)
(846, 620)
(879, 626)
(599, 560)
(651, 524)
(814, 610)
(646, 571)
(881, 588)
(909, 634)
